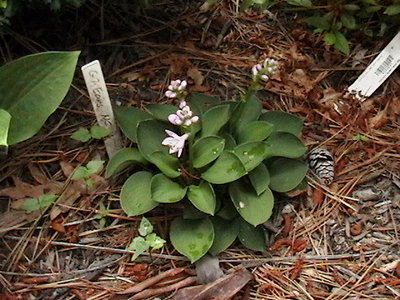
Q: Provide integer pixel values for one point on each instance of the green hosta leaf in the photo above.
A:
(225, 234)
(136, 194)
(392, 10)
(260, 178)
(167, 163)
(255, 131)
(252, 237)
(128, 119)
(154, 241)
(99, 132)
(139, 246)
(150, 134)
(5, 119)
(330, 38)
(43, 201)
(32, 88)
(203, 197)
(246, 112)
(252, 154)
(207, 149)
(304, 3)
(123, 159)
(164, 190)
(192, 238)
(254, 209)
(286, 145)
(341, 43)
(226, 168)
(214, 119)
(161, 111)
(283, 122)
(82, 135)
(200, 102)
(145, 227)
(94, 166)
(230, 142)
(348, 21)
(286, 173)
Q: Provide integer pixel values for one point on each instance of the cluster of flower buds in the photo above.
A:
(183, 116)
(265, 70)
(177, 89)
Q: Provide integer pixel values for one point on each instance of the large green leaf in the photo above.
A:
(207, 149)
(32, 88)
(150, 134)
(283, 122)
(167, 163)
(228, 210)
(164, 190)
(259, 178)
(255, 131)
(226, 168)
(161, 111)
(136, 194)
(254, 209)
(286, 173)
(128, 119)
(123, 159)
(252, 237)
(214, 119)
(252, 154)
(203, 197)
(286, 145)
(5, 119)
(246, 112)
(192, 238)
(225, 234)
(200, 102)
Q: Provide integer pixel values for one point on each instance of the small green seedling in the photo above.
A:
(360, 138)
(101, 216)
(147, 239)
(96, 132)
(43, 201)
(84, 172)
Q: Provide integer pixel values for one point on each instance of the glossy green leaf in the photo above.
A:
(82, 134)
(214, 119)
(167, 163)
(136, 194)
(161, 111)
(32, 88)
(206, 150)
(392, 10)
(128, 119)
(200, 102)
(252, 237)
(255, 131)
(123, 159)
(254, 209)
(164, 190)
(5, 119)
(150, 134)
(283, 122)
(348, 21)
(341, 43)
(259, 178)
(192, 238)
(230, 142)
(286, 145)
(226, 168)
(145, 227)
(225, 234)
(203, 197)
(286, 173)
(252, 154)
(99, 132)
(246, 112)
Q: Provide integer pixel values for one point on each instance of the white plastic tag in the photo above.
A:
(98, 94)
(378, 71)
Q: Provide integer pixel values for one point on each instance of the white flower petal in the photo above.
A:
(171, 133)
(264, 77)
(182, 104)
(194, 119)
(170, 94)
(174, 119)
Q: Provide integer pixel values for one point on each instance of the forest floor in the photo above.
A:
(336, 242)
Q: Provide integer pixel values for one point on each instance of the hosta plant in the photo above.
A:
(222, 161)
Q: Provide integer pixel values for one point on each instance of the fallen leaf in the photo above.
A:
(71, 193)
(14, 219)
(37, 174)
(379, 120)
(318, 196)
(196, 75)
(67, 168)
(58, 225)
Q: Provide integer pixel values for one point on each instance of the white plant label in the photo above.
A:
(378, 71)
(98, 94)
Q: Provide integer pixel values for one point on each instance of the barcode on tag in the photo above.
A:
(378, 71)
(98, 94)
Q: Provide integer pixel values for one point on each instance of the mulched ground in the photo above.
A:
(336, 242)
